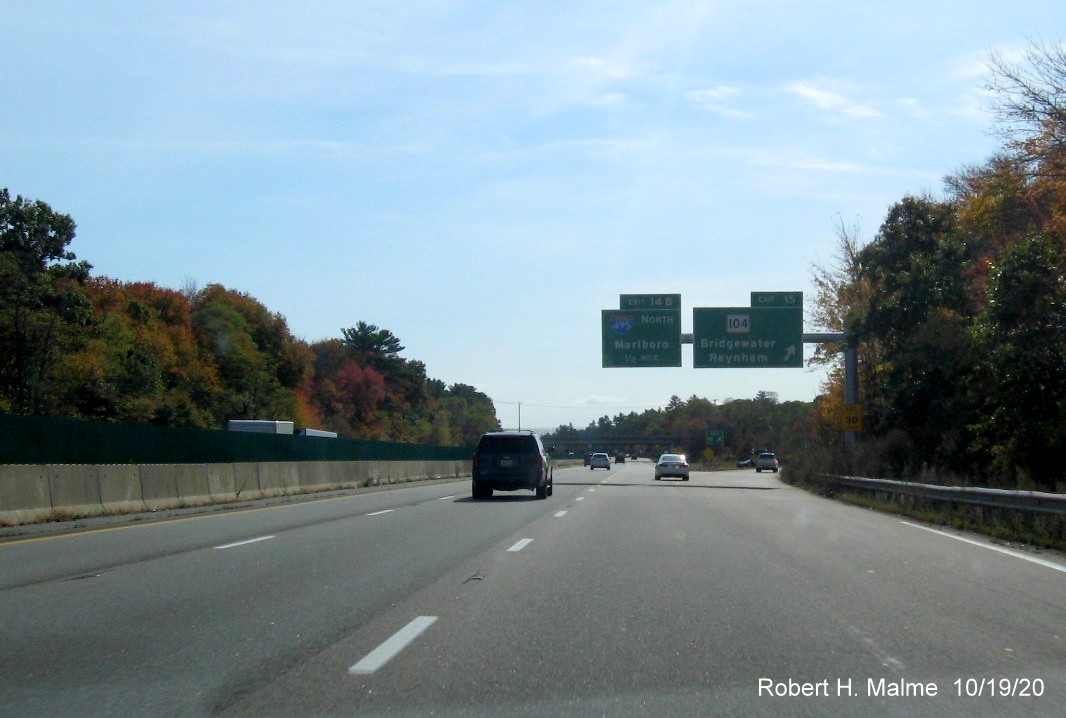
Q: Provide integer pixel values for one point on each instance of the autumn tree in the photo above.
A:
(140, 361)
(1030, 108)
(260, 364)
(468, 413)
(1030, 104)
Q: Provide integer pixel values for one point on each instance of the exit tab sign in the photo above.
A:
(777, 299)
(650, 301)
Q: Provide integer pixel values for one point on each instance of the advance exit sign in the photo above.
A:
(641, 337)
(747, 337)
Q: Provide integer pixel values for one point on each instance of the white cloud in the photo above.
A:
(604, 69)
(599, 401)
(713, 95)
(831, 101)
(717, 100)
(913, 107)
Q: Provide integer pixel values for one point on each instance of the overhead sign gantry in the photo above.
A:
(646, 332)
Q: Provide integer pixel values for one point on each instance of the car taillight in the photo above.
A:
(477, 460)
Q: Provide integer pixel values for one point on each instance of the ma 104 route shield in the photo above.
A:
(747, 337)
(641, 337)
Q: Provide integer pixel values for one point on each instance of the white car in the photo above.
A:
(672, 465)
(599, 461)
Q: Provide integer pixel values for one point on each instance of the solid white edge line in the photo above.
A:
(244, 543)
(560, 514)
(1007, 551)
(392, 646)
(520, 545)
(379, 513)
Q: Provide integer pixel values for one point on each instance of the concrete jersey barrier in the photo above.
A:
(37, 492)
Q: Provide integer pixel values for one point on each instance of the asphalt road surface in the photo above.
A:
(730, 594)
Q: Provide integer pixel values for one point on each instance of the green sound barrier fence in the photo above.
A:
(45, 440)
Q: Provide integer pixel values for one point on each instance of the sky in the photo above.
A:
(482, 178)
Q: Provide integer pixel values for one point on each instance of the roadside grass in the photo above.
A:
(813, 473)
(1012, 527)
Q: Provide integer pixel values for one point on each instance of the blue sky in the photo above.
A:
(482, 178)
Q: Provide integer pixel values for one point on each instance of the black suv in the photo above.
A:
(511, 460)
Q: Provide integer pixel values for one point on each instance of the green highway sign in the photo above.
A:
(715, 437)
(777, 299)
(755, 337)
(650, 301)
(641, 337)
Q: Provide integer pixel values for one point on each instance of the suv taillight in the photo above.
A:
(477, 460)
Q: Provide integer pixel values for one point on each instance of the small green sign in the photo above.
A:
(715, 437)
(777, 299)
(747, 337)
(641, 338)
(650, 301)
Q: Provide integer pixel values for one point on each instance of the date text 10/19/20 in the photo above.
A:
(901, 688)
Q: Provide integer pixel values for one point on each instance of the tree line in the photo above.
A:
(690, 427)
(78, 346)
(958, 304)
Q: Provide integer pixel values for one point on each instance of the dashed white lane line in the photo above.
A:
(1015, 554)
(520, 545)
(580, 498)
(445, 498)
(379, 513)
(388, 650)
(244, 543)
(592, 489)
(560, 514)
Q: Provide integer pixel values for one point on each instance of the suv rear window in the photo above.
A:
(507, 444)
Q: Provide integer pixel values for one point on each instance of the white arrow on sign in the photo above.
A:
(790, 352)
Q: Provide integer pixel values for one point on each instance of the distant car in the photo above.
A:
(511, 460)
(745, 464)
(766, 461)
(672, 465)
(599, 461)
(620, 458)
(588, 459)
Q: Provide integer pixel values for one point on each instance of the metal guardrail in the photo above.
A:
(997, 498)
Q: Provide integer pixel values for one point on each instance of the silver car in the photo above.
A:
(672, 465)
(599, 461)
(766, 461)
